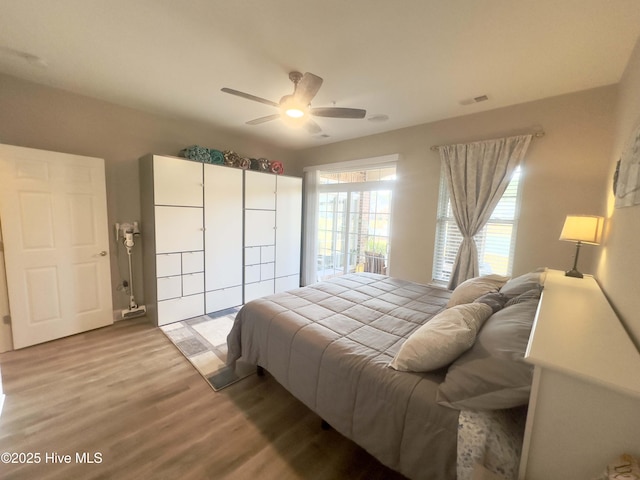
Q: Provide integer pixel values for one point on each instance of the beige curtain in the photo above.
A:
(477, 173)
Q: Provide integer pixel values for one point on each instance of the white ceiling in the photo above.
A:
(413, 60)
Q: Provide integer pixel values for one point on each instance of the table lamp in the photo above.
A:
(581, 229)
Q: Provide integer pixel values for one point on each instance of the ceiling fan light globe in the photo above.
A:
(293, 122)
(290, 108)
(294, 112)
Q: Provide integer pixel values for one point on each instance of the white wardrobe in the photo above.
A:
(215, 237)
(272, 212)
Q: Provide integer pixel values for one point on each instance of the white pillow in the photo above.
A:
(474, 288)
(442, 339)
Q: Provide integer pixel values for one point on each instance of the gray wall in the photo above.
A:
(566, 171)
(38, 116)
(619, 261)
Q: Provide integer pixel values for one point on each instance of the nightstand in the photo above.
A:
(584, 407)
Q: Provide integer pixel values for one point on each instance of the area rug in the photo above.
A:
(203, 341)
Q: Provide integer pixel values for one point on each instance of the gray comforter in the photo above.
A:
(329, 344)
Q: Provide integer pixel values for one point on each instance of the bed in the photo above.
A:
(331, 345)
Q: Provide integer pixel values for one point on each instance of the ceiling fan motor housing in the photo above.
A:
(295, 77)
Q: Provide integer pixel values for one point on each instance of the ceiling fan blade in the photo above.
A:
(312, 127)
(248, 96)
(268, 118)
(307, 88)
(337, 112)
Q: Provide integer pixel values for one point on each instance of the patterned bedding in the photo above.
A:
(330, 344)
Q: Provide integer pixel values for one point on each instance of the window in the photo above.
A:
(495, 241)
(354, 220)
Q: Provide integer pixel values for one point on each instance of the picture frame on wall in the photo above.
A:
(626, 180)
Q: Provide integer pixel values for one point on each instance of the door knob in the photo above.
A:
(103, 253)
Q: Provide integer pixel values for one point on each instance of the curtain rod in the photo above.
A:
(539, 134)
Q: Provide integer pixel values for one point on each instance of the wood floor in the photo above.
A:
(124, 397)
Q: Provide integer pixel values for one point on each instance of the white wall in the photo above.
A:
(619, 262)
(565, 172)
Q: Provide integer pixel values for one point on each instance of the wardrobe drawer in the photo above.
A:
(257, 290)
(177, 309)
(224, 298)
(251, 255)
(192, 262)
(289, 282)
(168, 264)
(192, 283)
(268, 254)
(252, 274)
(267, 271)
(169, 287)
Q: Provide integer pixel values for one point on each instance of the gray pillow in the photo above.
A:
(494, 299)
(533, 294)
(492, 374)
(475, 287)
(524, 283)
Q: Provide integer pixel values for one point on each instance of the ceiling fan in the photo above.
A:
(295, 109)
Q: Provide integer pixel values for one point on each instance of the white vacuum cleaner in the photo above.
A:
(128, 231)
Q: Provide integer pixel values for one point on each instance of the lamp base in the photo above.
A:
(573, 273)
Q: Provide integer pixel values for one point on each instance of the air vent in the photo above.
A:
(380, 117)
(469, 101)
(26, 56)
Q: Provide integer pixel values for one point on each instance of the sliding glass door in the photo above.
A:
(354, 221)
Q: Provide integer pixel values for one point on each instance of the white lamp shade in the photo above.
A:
(582, 228)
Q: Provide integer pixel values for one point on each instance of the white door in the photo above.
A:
(54, 225)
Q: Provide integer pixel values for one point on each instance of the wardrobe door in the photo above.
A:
(288, 228)
(177, 182)
(260, 228)
(260, 191)
(223, 197)
(178, 229)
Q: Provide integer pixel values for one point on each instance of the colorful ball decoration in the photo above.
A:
(231, 158)
(277, 167)
(264, 165)
(244, 163)
(196, 153)
(217, 157)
